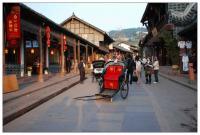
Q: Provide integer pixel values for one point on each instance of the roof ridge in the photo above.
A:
(81, 20)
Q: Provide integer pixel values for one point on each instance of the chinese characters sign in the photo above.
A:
(13, 24)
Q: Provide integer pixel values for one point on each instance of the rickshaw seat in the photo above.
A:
(111, 76)
(114, 70)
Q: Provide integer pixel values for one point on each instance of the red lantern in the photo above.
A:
(48, 42)
(65, 43)
(65, 47)
(48, 35)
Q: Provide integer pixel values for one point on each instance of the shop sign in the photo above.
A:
(35, 44)
(48, 36)
(28, 44)
(13, 23)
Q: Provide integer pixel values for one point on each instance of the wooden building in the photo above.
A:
(32, 41)
(155, 18)
(89, 32)
(171, 17)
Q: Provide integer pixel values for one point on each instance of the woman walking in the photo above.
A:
(156, 69)
(138, 68)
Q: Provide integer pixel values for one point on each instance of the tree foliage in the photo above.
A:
(171, 46)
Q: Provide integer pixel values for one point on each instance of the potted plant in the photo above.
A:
(46, 71)
(29, 70)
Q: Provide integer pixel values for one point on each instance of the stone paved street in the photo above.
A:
(148, 108)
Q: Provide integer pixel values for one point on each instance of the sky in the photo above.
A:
(106, 16)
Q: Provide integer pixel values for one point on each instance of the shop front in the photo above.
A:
(35, 45)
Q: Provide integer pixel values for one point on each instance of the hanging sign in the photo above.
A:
(13, 23)
(48, 35)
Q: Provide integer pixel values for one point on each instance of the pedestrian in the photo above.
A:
(156, 69)
(81, 67)
(131, 67)
(138, 68)
(148, 71)
(68, 65)
(144, 60)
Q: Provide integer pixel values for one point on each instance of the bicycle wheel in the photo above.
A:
(124, 90)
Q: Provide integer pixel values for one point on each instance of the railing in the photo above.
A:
(54, 68)
(12, 69)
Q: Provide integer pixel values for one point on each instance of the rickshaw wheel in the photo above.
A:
(101, 85)
(124, 90)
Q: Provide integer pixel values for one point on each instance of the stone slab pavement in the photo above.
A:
(65, 114)
(17, 103)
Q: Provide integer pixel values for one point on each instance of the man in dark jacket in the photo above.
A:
(68, 65)
(81, 67)
(131, 67)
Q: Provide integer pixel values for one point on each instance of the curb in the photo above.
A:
(181, 83)
(19, 113)
(5, 101)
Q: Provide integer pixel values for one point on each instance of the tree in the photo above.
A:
(171, 46)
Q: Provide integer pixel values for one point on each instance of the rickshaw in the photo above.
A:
(111, 81)
(98, 66)
(114, 79)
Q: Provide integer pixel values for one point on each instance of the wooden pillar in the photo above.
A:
(22, 55)
(47, 56)
(86, 53)
(92, 54)
(40, 76)
(62, 56)
(86, 58)
(74, 47)
(78, 51)
(75, 59)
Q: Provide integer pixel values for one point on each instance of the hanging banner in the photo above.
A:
(13, 23)
(48, 36)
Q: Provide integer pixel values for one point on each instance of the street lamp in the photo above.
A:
(14, 51)
(32, 51)
(52, 52)
(6, 51)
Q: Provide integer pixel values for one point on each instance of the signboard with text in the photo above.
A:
(13, 23)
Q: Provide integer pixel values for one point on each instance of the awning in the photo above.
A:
(104, 49)
(189, 30)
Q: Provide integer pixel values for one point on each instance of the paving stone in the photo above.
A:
(140, 122)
